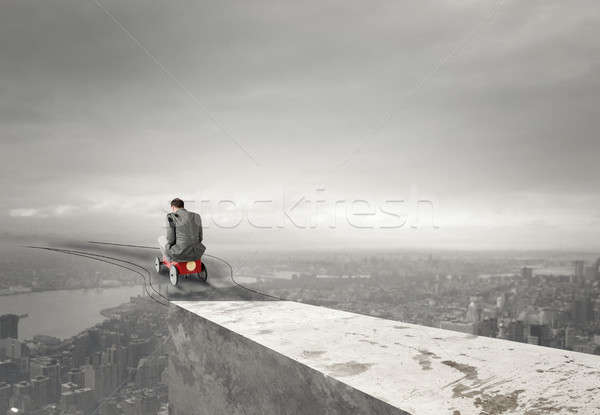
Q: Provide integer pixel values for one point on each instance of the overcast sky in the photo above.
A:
(489, 109)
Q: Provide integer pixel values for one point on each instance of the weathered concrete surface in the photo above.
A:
(240, 357)
(215, 371)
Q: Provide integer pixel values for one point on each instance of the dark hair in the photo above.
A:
(177, 202)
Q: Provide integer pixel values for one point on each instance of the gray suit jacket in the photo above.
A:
(184, 236)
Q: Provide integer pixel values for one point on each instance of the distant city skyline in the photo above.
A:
(489, 109)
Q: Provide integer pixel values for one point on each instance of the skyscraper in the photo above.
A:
(569, 337)
(579, 270)
(45, 366)
(10, 348)
(474, 310)
(76, 376)
(582, 309)
(5, 394)
(40, 389)
(526, 273)
(9, 371)
(21, 398)
(9, 326)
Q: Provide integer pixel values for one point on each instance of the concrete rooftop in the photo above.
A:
(417, 369)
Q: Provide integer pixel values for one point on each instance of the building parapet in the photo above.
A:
(281, 357)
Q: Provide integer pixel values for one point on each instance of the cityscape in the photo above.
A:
(115, 367)
(556, 305)
(118, 366)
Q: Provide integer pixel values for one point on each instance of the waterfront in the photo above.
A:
(63, 313)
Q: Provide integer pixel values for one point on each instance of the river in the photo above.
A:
(63, 313)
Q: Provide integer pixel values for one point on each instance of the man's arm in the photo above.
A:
(170, 231)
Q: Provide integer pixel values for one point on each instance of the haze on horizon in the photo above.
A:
(109, 109)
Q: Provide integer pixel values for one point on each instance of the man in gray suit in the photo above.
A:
(184, 234)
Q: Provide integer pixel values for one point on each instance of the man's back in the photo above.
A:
(184, 235)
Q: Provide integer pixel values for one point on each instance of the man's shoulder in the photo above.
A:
(189, 212)
(183, 216)
(195, 217)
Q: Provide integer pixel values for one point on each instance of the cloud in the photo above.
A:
(43, 212)
(24, 212)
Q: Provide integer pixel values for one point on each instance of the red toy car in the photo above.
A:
(178, 269)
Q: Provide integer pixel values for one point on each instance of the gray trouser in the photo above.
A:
(162, 244)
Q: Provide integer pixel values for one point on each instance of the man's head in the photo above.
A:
(176, 204)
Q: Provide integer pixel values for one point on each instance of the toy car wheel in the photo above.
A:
(203, 276)
(173, 275)
(157, 264)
